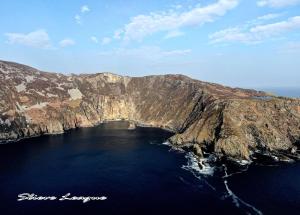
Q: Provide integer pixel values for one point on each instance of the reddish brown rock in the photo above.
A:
(225, 121)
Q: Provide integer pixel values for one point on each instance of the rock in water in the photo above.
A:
(231, 122)
(131, 126)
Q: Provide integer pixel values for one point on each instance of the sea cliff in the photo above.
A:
(206, 118)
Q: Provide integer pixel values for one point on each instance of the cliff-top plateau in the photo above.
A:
(206, 118)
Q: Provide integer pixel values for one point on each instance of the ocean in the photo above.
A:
(135, 172)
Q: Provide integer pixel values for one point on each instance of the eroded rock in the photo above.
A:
(206, 117)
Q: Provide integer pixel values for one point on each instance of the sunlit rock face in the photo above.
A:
(205, 117)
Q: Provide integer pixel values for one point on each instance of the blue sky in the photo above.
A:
(245, 43)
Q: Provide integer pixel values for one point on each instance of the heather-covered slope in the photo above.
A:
(206, 117)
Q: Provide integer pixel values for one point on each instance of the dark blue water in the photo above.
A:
(137, 174)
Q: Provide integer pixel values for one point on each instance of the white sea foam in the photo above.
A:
(243, 162)
(184, 181)
(234, 173)
(154, 143)
(167, 143)
(193, 167)
(275, 157)
(198, 165)
(235, 199)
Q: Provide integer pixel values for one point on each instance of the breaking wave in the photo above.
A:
(201, 167)
(198, 166)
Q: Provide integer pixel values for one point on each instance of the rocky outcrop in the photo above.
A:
(205, 117)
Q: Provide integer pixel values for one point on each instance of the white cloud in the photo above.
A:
(277, 3)
(269, 16)
(66, 42)
(176, 52)
(173, 34)
(177, 6)
(254, 34)
(84, 9)
(94, 39)
(146, 52)
(105, 41)
(37, 39)
(278, 27)
(234, 34)
(78, 19)
(167, 21)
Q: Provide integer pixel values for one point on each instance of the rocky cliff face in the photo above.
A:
(205, 117)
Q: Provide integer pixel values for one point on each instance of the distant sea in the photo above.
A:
(283, 91)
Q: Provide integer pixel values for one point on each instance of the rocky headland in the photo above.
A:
(205, 118)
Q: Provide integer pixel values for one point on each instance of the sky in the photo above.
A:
(240, 43)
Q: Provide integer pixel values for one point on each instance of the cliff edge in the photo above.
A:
(207, 118)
